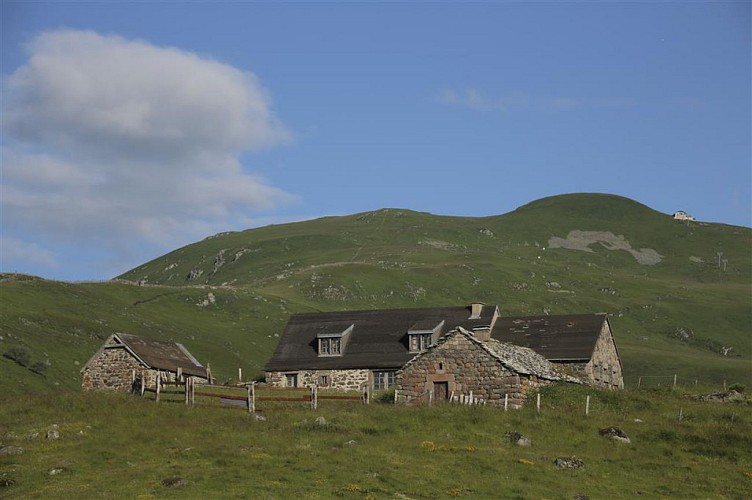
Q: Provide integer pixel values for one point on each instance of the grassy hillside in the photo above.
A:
(111, 445)
(679, 294)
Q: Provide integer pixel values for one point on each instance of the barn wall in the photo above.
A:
(465, 367)
(111, 369)
(604, 368)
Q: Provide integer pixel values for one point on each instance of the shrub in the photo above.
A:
(19, 355)
(39, 367)
(737, 387)
(384, 396)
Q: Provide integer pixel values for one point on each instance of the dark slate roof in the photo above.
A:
(162, 355)
(378, 339)
(557, 338)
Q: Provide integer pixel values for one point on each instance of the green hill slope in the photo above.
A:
(679, 294)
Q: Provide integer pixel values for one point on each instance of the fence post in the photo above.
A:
(314, 396)
(395, 396)
(159, 384)
(639, 382)
(587, 406)
(537, 405)
(248, 398)
(193, 392)
(674, 380)
(724, 385)
(187, 390)
(430, 398)
(253, 397)
(506, 401)
(143, 383)
(240, 374)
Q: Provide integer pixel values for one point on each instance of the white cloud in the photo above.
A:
(116, 142)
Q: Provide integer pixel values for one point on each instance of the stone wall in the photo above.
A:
(604, 368)
(344, 380)
(464, 367)
(111, 369)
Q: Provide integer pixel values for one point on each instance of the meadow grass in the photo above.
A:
(120, 446)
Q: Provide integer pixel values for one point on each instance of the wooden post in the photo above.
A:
(159, 384)
(240, 374)
(639, 382)
(314, 396)
(430, 398)
(680, 414)
(537, 405)
(253, 397)
(133, 377)
(187, 390)
(179, 375)
(587, 406)
(695, 381)
(248, 398)
(193, 391)
(674, 380)
(724, 385)
(506, 401)
(395, 396)
(143, 382)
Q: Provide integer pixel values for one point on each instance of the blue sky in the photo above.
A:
(132, 128)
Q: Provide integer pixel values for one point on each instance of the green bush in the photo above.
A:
(737, 387)
(39, 367)
(19, 355)
(385, 396)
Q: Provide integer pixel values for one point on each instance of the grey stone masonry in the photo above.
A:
(344, 380)
(461, 364)
(112, 369)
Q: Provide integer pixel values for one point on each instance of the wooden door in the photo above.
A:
(440, 391)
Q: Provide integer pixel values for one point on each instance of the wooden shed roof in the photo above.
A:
(378, 338)
(558, 338)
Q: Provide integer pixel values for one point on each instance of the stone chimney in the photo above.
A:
(475, 310)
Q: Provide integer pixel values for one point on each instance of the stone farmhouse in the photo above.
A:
(351, 350)
(126, 363)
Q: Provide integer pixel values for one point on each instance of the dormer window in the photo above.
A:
(332, 346)
(419, 342)
(423, 334)
(332, 340)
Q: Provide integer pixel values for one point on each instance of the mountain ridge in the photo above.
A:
(678, 294)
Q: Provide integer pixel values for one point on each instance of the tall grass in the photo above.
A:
(114, 446)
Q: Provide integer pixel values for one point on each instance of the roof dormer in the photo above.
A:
(333, 340)
(423, 334)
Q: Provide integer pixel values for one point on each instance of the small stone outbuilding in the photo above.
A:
(127, 362)
(461, 363)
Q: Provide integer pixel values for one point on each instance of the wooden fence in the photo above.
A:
(246, 396)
